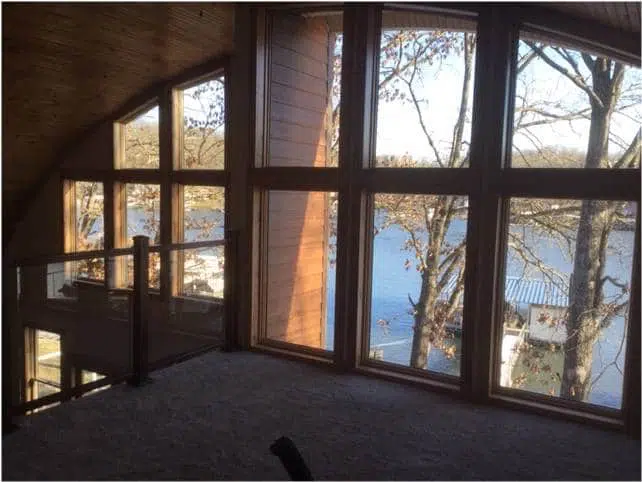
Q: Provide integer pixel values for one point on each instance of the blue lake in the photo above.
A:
(392, 284)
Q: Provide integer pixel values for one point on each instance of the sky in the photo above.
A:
(439, 89)
(399, 132)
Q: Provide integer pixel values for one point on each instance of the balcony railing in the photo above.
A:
(109, 317)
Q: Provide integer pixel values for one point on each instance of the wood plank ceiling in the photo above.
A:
(66, 66)
(624, 16)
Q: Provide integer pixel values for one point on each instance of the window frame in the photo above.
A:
(168, 176)
(488, 182)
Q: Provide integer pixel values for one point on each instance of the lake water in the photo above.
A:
(392, 283)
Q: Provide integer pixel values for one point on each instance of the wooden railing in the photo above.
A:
(138, 372)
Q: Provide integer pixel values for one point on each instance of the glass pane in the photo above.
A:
(143, 212)
(47, 368)
(87, 376)
(568, 275)
(154, 271)
(200, 271)
(300, 267)
(574, 109)
(204, 213)
(63, 279)
(418, 271)
(304, 89)
(90, 230)
(425, 77)
(204, 125)
(141, 142)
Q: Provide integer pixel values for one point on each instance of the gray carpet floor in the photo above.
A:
(215, 416)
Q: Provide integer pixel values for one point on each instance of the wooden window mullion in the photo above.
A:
(496, 44)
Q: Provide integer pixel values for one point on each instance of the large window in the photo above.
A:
(304, 86)
(201, 135)
(298, 251)
(574, 109)
(450, 197)
(43, 355)
(141, 203)
(139, 146)
(203, 213)
(480, 273)
(425, 77)
(567, 287)
(153, 194)
(418, 267)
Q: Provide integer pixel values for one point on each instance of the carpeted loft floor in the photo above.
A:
(214, 417)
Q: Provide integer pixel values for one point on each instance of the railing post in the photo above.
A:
(140, 313)
(229, 299)
(9, 309)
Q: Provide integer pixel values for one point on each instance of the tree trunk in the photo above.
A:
(425, 329)
(583, 324)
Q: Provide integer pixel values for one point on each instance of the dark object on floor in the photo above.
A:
(291, 459)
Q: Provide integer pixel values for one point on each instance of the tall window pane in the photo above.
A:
(418, 270)
(568, 276)
(141, 144)
(143, 212)
(300, 250)
(203, 126)
(304, 89)
(201, 271)
(425, 90)
(90, 229)
(574, 109)
(203, 213)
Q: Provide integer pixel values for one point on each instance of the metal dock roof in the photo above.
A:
(525, 291)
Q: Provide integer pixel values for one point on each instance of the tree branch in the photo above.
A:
(579, 82)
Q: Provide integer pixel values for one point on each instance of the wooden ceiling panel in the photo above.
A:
(66, 66)
(624, 16)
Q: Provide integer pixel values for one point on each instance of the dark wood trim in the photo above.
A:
(357, 124)
(418, 181)
(496, 40)
(286, 351)
(201, 177)
(167, 137)
(295, 178)
(241, 139)
(140, 313)
(631, 404)
(558, 402)
(260, 253)
(537, 407)
(614, 184)
(394, 374)
(295, 348)
(407, 371)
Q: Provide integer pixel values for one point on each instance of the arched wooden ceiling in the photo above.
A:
(66, 66)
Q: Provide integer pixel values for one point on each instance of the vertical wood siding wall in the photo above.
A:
(296, 237)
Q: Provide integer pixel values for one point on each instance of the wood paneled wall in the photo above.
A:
(297, 228)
